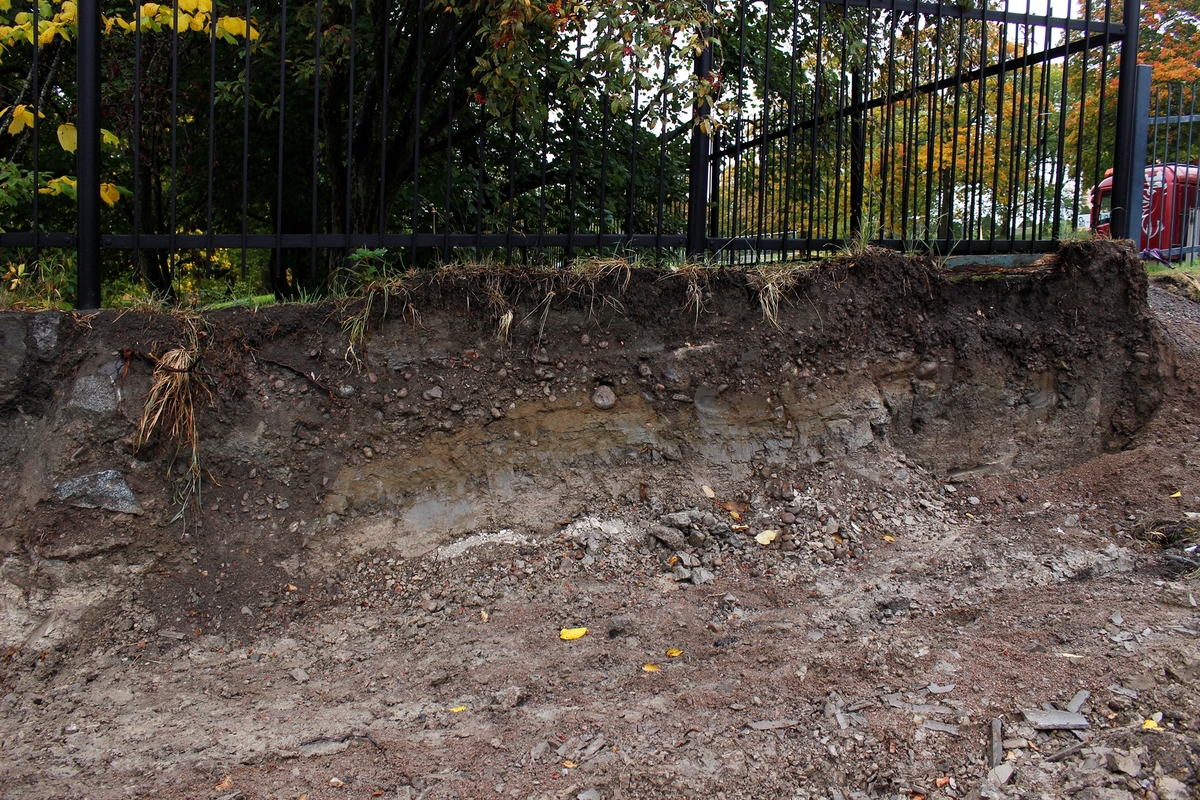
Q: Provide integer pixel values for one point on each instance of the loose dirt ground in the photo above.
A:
(300, 639)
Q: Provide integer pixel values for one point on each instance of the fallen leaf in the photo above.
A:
(735, 515)
(457, 709)
(674, 652)
(708, 491)
(889, 538)
(1151, 725)
(570, 764)
(225, 784)
(650, 668)
(734, 507)
(291, 587)
(377, 793)
(739, 527)
(766, 537)
(1177, 494)
(485, 616)
(943, 781)
(567, 634)
(917, 796)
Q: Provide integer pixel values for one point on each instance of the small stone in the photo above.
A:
(510, 698)
(644, 370)
(585, 340)
(1141, 356)
(668, 536)
(590, 794)
(973, 500)
(701, 575)
(336, 782)
(1127, 763)
(682, 574)
(787, 519)
(402, 392)
(687, 559)
(1169, 788)
(345, 390)
(604, 398)
(246, 610)
(107, 490)
(1000, 774)
(368, 452)
(831, 527)
(432, 393)
(299, 674)
(496, 413)
(279, 384)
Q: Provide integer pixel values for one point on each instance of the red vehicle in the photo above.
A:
(1170, 210)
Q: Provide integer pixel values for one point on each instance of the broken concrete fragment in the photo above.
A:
(1000, 774)
(106, 490)
(774, 724)
(1127, 763)
(940, 727)
(1055, 720)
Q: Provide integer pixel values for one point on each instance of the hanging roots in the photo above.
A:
(171, 410)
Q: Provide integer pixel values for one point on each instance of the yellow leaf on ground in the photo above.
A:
(766, 537)
(1151, 725)
(1177, 494)
(650, 668)
(889, 538)
(68, 137)
(735, 515)
(567, 634)
(708, 492)
(226, 783)
(457, 709)
(674, 652)
(485, 616)
(570, 764)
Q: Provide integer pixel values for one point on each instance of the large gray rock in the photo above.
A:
(12, 357)
(107, 490)
(95, 393)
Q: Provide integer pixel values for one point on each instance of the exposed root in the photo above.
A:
(171, 410)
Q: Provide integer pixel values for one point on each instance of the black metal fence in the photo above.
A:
(278, 137)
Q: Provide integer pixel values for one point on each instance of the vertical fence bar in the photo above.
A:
(316, 143)
(857, 154)
(245, 142)
(34, 91)
(698, 165)
(87, 156)
(1126, 134)
(1137, 158)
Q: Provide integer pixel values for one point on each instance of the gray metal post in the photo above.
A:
(1141, 132)
(1126, 134)
(87, 155)
(697, 240)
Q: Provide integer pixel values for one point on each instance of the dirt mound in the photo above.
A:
(809, 481)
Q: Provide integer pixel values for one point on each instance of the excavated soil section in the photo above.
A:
(893, 481)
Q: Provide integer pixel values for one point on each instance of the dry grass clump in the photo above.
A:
(170, 410)
(772, 281)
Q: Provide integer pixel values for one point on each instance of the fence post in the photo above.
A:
(1126, 134)
(87, 156)
(697, 223)
(858, 148)
(1141, 132)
